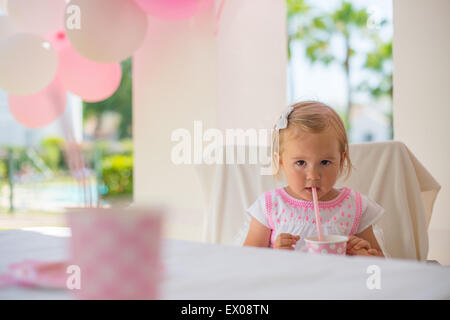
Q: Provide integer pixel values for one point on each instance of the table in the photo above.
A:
(209, 271)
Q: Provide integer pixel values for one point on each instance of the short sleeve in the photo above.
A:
(258, 211)
(371, 212)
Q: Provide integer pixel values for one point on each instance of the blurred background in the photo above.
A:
(339, 52)
(36, 181)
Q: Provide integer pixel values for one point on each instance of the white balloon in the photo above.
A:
(42, 17)
(105, 30)
(7, 27)
(28, 63)
(4, 6)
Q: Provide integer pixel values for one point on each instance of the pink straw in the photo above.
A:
(316, 209)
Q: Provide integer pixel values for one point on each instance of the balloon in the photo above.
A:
(105, 30)
(39, 109)
(205, 5)
(173, 9)
(4, 6)
(7, 27)
(58, 40)
(28, 63)
(37, 16)
(92, 81)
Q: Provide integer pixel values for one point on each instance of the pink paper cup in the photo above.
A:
(331, 244)
(117, 252)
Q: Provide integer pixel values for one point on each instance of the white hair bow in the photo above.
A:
(283, 121)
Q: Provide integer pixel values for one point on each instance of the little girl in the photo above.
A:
(310, 147)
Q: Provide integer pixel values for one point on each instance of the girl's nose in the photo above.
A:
(313, 174)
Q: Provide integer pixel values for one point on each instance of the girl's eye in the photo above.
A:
(302, 162)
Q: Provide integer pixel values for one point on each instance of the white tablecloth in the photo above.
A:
(210, 271)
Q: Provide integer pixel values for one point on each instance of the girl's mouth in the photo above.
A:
(310, 189)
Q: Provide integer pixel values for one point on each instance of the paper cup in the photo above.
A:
(117, 252)
(330, 244)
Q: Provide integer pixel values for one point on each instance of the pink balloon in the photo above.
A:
(92, 81)
(39, 109)
(58, 40)
(173, 9)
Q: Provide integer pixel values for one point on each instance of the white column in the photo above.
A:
(184, 73)
(252, 62)
(421, 51)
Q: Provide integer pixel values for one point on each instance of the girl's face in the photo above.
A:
(311, 160)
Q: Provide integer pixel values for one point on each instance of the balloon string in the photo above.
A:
(76, 163)
(218, 16)
(72, 153)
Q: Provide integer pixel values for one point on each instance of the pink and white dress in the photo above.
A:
(347, 214)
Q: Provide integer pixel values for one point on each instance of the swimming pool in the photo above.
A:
(49, 196)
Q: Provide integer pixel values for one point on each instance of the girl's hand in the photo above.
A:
(365, 252)
(358, 246)
(375, 252)
(285, 241)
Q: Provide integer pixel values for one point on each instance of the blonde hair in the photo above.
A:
(312, 117)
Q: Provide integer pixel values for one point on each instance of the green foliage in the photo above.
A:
(19, 157)
(315, 30)
(119, 102)
(295, 7)
(319, 24)
(117, 174)
(127, 146)
(52, 153)
(379, 62)
(296, 10)
(3, 170)
(347, 17)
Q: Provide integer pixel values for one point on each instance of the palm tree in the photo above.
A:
(296, 9)
(316, 31)
(379, 62)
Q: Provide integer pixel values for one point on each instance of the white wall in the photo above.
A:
(184, 73)
(421, 53)
(252, 61)
(173, 84)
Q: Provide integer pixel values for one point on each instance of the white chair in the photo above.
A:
(386, 172)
